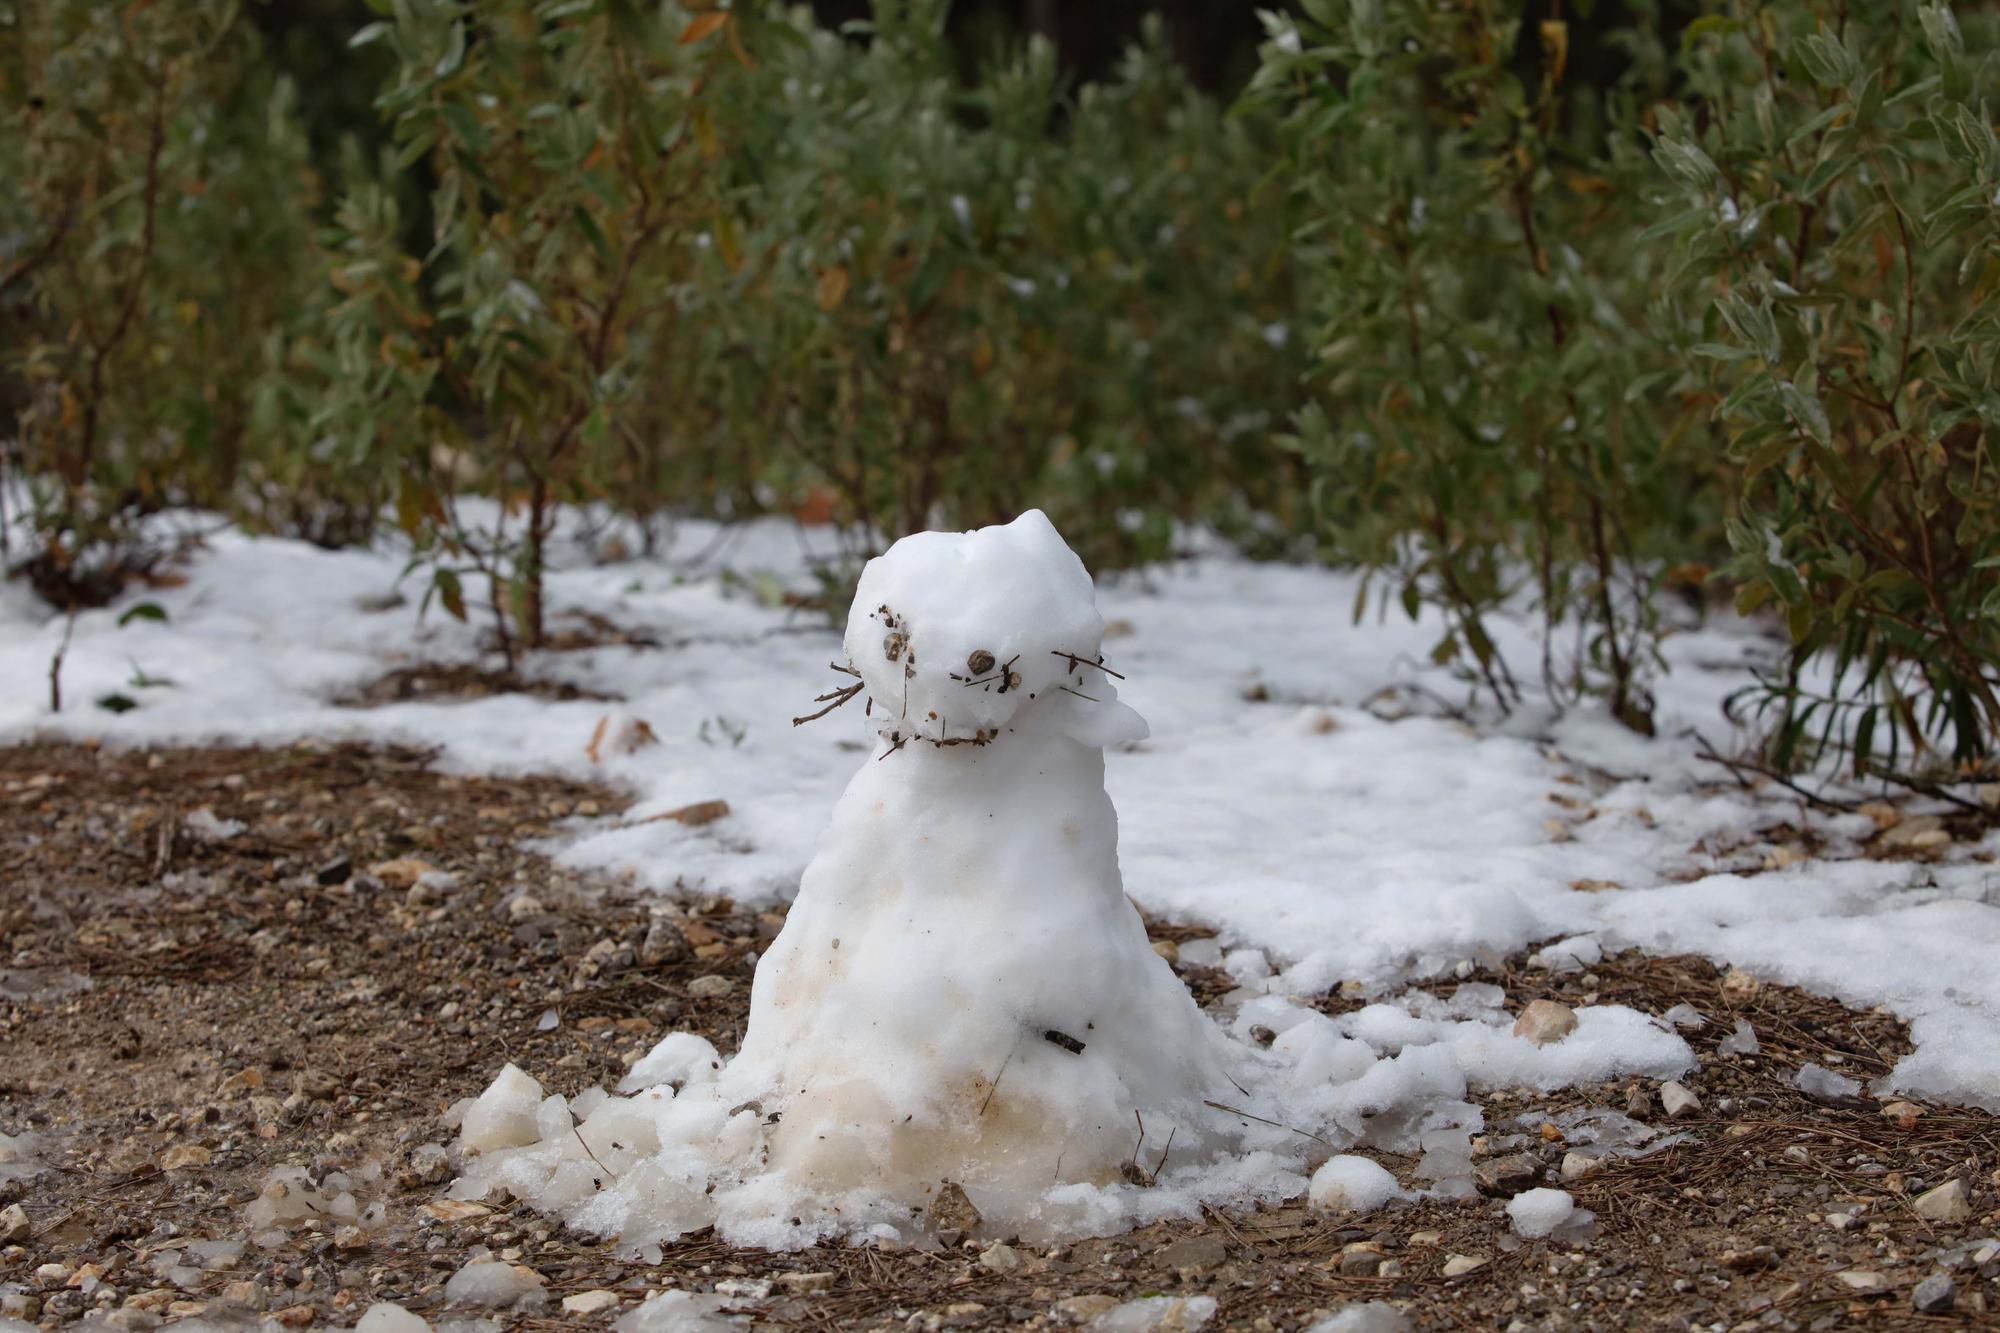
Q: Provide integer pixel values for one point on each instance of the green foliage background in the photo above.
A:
(1590, 308)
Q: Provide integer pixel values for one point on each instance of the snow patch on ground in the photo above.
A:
(1271, 801)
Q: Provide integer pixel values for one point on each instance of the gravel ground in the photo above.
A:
(223, 963)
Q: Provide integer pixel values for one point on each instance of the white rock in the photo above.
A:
(1861, 1281)
(1949, 1202)
(524, 907)
(387, 1317)
(1156, 1314)
(14, 1225)
(1576, 1165)
(1458, 1265)
(1350, 1184)
(711, 986)
(490, 1283)
(1000, 1258)
(1677, 1101)
(1545, 1021)
(504, 1115)
(590, 1302)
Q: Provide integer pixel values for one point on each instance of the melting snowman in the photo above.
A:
(962, 990)
(962, 1006)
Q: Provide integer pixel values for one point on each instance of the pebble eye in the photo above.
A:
(892, 647)
(980, 662)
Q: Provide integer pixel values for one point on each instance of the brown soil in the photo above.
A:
(180, 1014)
(435, 682)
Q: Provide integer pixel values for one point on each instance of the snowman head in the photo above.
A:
(961, 638)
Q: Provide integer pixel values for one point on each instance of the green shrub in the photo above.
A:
(1835, 192)
(1489, 416)
(572, 145)
(1733, 303)
(973, 295)
(163, 190)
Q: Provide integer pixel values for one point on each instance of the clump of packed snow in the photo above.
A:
(496, 1284)
(1364, 1317)
(388, 1317)
(961, 996)
(1348, 1184)
(292, 1196)
(683, 1312)
(1543, 1212)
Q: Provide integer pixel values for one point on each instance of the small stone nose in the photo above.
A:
(980, 662)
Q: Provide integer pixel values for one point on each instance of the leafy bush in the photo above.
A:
(163, 193)
(571, 146)
(1836, 182)
(969, 296)
(1562, 318)
(1489, 414)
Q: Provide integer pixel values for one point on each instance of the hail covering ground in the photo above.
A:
(1329, 841)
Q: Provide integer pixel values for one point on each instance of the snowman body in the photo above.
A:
(962, 991)
(961, 997)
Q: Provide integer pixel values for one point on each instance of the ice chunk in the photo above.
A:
(1364, 1317)
(290, 1196)
(1472, 1000)
(680, 1058)
(388, 1317)
(1319, 1054)
(1609, 1041)
(1247, 967)
(1447, 1155)
(1684, 1016)
(1823, 1084)
(1156, 1314)
(504, 1116)
(681, 1312)
(1742, 1040)
(1352, 1185)
(204, 824)
(1202, 953)
(1545, 1212)
(489, 1282)
(1571, 955)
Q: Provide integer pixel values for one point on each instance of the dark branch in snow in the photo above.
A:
(1262, 1121)
(1076, 663)
(839, 697)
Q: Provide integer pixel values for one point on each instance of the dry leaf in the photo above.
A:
(703, 25)
(400, 873)
(701, 812)
(831, 289)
